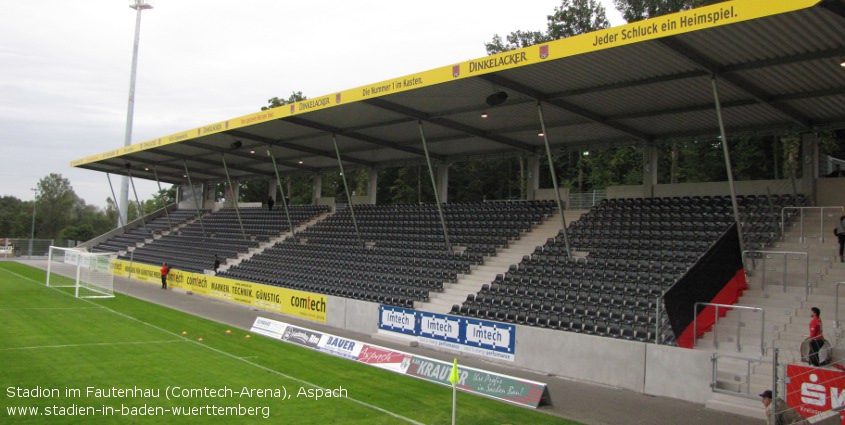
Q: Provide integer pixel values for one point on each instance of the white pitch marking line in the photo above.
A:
(93, 344)
(48, 308)
(262, 367)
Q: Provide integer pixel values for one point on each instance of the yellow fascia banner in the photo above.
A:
(291, 302)
(712, 16)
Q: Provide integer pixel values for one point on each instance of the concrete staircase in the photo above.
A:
(456, 293)
(264, 245)
(786, 297)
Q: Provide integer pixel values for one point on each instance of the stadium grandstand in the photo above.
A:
(686, 290)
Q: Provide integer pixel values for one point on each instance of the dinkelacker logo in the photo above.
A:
(456, 71)
(544, 51)
(337, 98)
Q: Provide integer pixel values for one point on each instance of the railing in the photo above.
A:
(714, 380)
(786, 254)
(585, 200)
(739, 309)
(801, 223)
(836, 306)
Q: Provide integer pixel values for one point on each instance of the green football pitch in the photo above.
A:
(122, 360)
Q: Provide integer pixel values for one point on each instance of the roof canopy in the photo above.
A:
(777, 64)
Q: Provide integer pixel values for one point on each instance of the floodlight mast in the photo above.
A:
(138, 5)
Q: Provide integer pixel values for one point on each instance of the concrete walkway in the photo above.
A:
(587, 403)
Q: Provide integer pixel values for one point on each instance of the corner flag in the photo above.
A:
(454, 377)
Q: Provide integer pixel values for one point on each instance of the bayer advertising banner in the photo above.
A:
(479, 337)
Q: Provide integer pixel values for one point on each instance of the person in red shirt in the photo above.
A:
(816, 336)
(165, 269)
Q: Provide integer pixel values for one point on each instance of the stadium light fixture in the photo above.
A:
(300, 161)
(139, 6)
(252, 151)
(540, 133)
(497, 98)
(842, 64)
(484, 114)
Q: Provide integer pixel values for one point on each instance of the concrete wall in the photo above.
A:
(549, 195)
(755, 187)
(326, 200)
(601, 360)
(353, 315)
(677, 373)
(624, 192)
(830, 192)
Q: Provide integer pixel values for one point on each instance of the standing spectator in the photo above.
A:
(270, 203)
(785, 415)
(165, 270)
(216, 263)
(816, 336)
(840, 234)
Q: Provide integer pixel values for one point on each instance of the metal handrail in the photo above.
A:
(739, 309)
(785, 266)
(836, 306)
(714, 378)
(801, 213)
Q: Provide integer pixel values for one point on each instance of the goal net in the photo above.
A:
(88, 273)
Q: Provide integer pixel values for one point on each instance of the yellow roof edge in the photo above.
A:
(706, 17)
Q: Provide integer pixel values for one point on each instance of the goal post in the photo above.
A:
(88, 273)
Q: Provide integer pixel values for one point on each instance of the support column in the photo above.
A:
(728, 165)
(317, 188)
(163, 205)
(235, 195)
(372, 186)
(443, 181)
(346, 189)
(434, 187)
(271, 188)
(809, 165)
(116, 205)
(554, 179)
(137, 200)
(649, 170)
(196, 198)
(532, 177)
(284, 198)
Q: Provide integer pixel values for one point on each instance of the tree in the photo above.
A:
(276, 102)
(55, 202)
(637, 10)
(572, 17)
(82, 232)
(15, 217)
(575, 17)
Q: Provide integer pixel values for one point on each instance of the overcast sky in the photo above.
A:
(64, 66)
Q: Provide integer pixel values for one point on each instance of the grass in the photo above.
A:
(50, 340)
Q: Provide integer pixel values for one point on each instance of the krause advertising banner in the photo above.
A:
(812, 390)
(514, 390)
(477, 381)
(480, 337)
(304, 305)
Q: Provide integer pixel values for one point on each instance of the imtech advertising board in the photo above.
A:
(477, 381)
(480, 337)
(300, 304)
